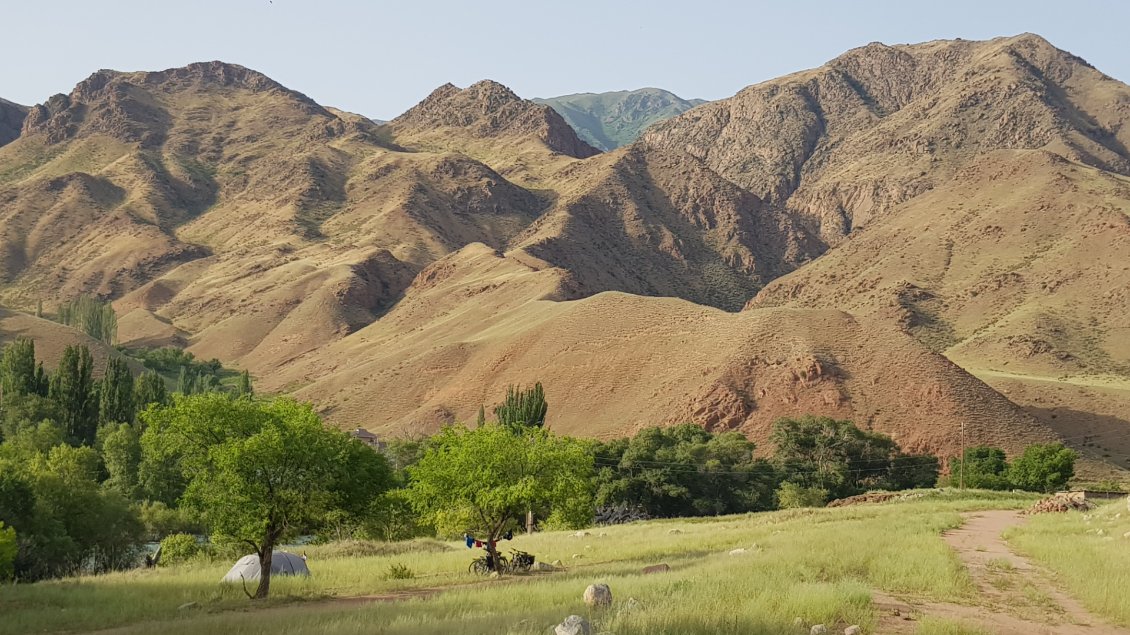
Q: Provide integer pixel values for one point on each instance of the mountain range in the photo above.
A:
(613, 119)
(922, 238)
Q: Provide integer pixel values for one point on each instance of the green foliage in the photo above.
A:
(683, 471)
(91, 315)
(1044, 467)
(8, 551)
(399, 571)
(115, 402)
(481, 419)
(984, 468)
(27, 411)
(792, 496)
(160, 520)
(74, 525)
(484, 480)
(836, 456)
(72, 387)
(19, 375)
(244, 388)
(259, 469)
(150, 389)
(522, 408)
(121, 455)
(179, 548)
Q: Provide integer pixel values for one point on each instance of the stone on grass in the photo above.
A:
(495, 574)
(186, 606)
(853, 630)
(657, 568)
(544, 566)
(581, 534)
(737, 552)
(598, 595)
(577, 556)
(674, 531)
(819, 629)
(573, 625)
(557, 564)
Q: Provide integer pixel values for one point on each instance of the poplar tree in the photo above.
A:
(115, 402)
(72, 387)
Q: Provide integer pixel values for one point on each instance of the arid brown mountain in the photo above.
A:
(844, 143)
(875, 216)
(11, 120)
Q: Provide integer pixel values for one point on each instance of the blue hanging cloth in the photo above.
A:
(470, 540)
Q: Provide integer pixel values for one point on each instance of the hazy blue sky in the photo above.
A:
(379, 58)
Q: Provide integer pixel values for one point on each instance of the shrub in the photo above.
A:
(8, 552)
(985, 468)
(791, 495)
(399, 571)
(179, 548)
(1044, 467)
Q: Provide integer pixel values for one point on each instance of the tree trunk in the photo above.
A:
(493, 552)
(264, 572)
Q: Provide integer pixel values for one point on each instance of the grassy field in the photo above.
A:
(1088, 554)
(817, 565)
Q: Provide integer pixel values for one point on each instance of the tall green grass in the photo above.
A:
(818, 565)
(1094, 567)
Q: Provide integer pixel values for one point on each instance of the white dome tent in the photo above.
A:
(282, 563)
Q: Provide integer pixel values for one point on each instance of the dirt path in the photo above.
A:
(1016, 597)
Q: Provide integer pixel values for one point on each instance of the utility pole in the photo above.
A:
(962, 477)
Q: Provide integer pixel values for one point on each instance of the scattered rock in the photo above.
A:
(187, 606)
(1126, 535)
(1058, 503)
(674, 531)
(581, 534)
(853, 630)
(573, 625)
(544, 566)
(798, 622)
(577, 556)
(737, 552)
(657, 568)
(557, 564)
(494, 574)
(602, 534)
(819, 629)
(598, 595)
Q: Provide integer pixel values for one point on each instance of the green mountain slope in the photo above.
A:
(610, 120)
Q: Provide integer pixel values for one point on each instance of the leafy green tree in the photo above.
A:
(683, 471)
(1044, 467)
(115, 403)
(484, 480)
(244, 389)
(18, 369)
(93, 316)
(150, 389)
(8, 551)
(257, 470)
(27, 411)
(72, 387)
(792, 496)
(522, 408)
(984, 468)
(186, 382)
(913, 471)
(836, 456)
(121, 454)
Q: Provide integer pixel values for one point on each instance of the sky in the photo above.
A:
(379, 58)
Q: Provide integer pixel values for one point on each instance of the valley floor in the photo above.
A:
(938, 560)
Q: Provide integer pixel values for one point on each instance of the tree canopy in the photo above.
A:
(683, 471)
(485, 480)
(257, 470)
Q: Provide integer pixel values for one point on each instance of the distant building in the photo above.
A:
(368, 438)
